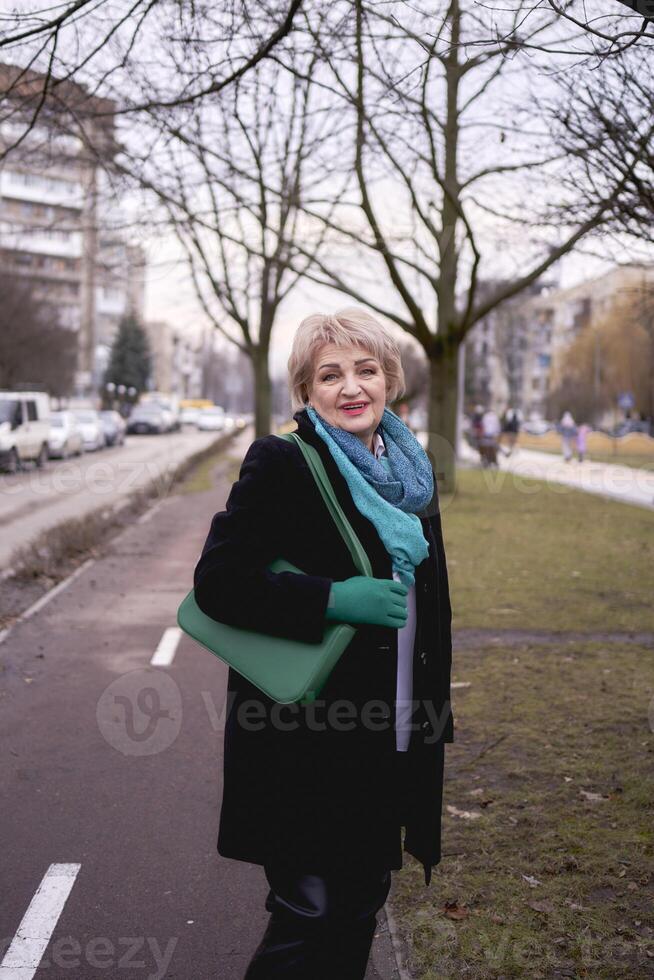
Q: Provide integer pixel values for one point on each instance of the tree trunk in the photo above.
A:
(262, 392)
(443, 394)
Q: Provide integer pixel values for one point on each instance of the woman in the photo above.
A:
(318, 793)
(582, 443)
(490, 425)
(568, 431)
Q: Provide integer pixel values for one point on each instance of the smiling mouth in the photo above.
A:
(354, 406)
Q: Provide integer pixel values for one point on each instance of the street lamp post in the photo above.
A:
(110, 388)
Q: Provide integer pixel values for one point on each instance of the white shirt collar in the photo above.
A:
(378, 445)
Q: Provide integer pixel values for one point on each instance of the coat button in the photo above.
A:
(425, 588)
(425, 726)
(423, 657)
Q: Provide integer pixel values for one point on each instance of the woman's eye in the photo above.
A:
(328, 377)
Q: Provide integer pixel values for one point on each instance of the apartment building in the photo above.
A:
(516, 354)
(55, 230)
(177, 359)
(507, 353)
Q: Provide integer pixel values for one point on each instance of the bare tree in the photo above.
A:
(609, 357)
(609, 33)
(34, 348)
(231, 182)
(106, 45)
(416, 370)
(458, 164)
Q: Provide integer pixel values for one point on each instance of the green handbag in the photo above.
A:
(285, 670)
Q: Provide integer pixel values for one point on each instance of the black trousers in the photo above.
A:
(321, 926)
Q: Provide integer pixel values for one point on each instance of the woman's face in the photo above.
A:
(348, 389)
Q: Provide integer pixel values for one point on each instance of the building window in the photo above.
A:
(45, 183)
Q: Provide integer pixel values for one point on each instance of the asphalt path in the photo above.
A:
(111, 772)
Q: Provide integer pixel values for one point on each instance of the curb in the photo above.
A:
(398, 948)
(45, 598)
(180, 472)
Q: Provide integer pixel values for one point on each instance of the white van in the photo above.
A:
(24, 428)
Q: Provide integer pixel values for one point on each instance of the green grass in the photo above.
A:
(625, 459)
(531, 555)
(570, 721)
(548, 852)
(201, 476)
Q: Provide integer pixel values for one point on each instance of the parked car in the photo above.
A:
(189, 416)
(90, 423)
(189, 409)
(211, 419)
(147, 418)
(24, 428)
(114, 426)
(65, 438)
(169, 405)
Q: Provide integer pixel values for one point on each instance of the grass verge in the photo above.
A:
(535, 555)
(548, 822)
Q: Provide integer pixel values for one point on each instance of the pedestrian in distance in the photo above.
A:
(318, 794)
(490, 433)
(568, 430)
(476, 430)
(510, 429)
(582, 437)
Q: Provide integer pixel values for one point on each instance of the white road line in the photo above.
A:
(21, 961)
(149, 514)
(165, 652)
(40, 603)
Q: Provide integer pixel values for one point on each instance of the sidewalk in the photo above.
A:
(625, 483)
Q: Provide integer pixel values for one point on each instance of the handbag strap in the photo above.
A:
(319, 473)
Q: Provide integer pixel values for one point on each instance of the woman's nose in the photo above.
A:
(351, 386)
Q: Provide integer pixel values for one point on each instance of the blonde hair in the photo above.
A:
(351, 327)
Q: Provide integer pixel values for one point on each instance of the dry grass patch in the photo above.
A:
(523, 553)
(548, 823)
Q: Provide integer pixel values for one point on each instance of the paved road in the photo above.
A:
(34, 500)
(111, 770)
(626, 483)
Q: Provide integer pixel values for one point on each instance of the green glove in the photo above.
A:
(376, 601)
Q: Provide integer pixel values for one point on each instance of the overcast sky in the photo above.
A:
(170, 296)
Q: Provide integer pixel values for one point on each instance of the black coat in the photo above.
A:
(318, 783)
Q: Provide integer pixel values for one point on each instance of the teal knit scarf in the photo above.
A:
(388, 495)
